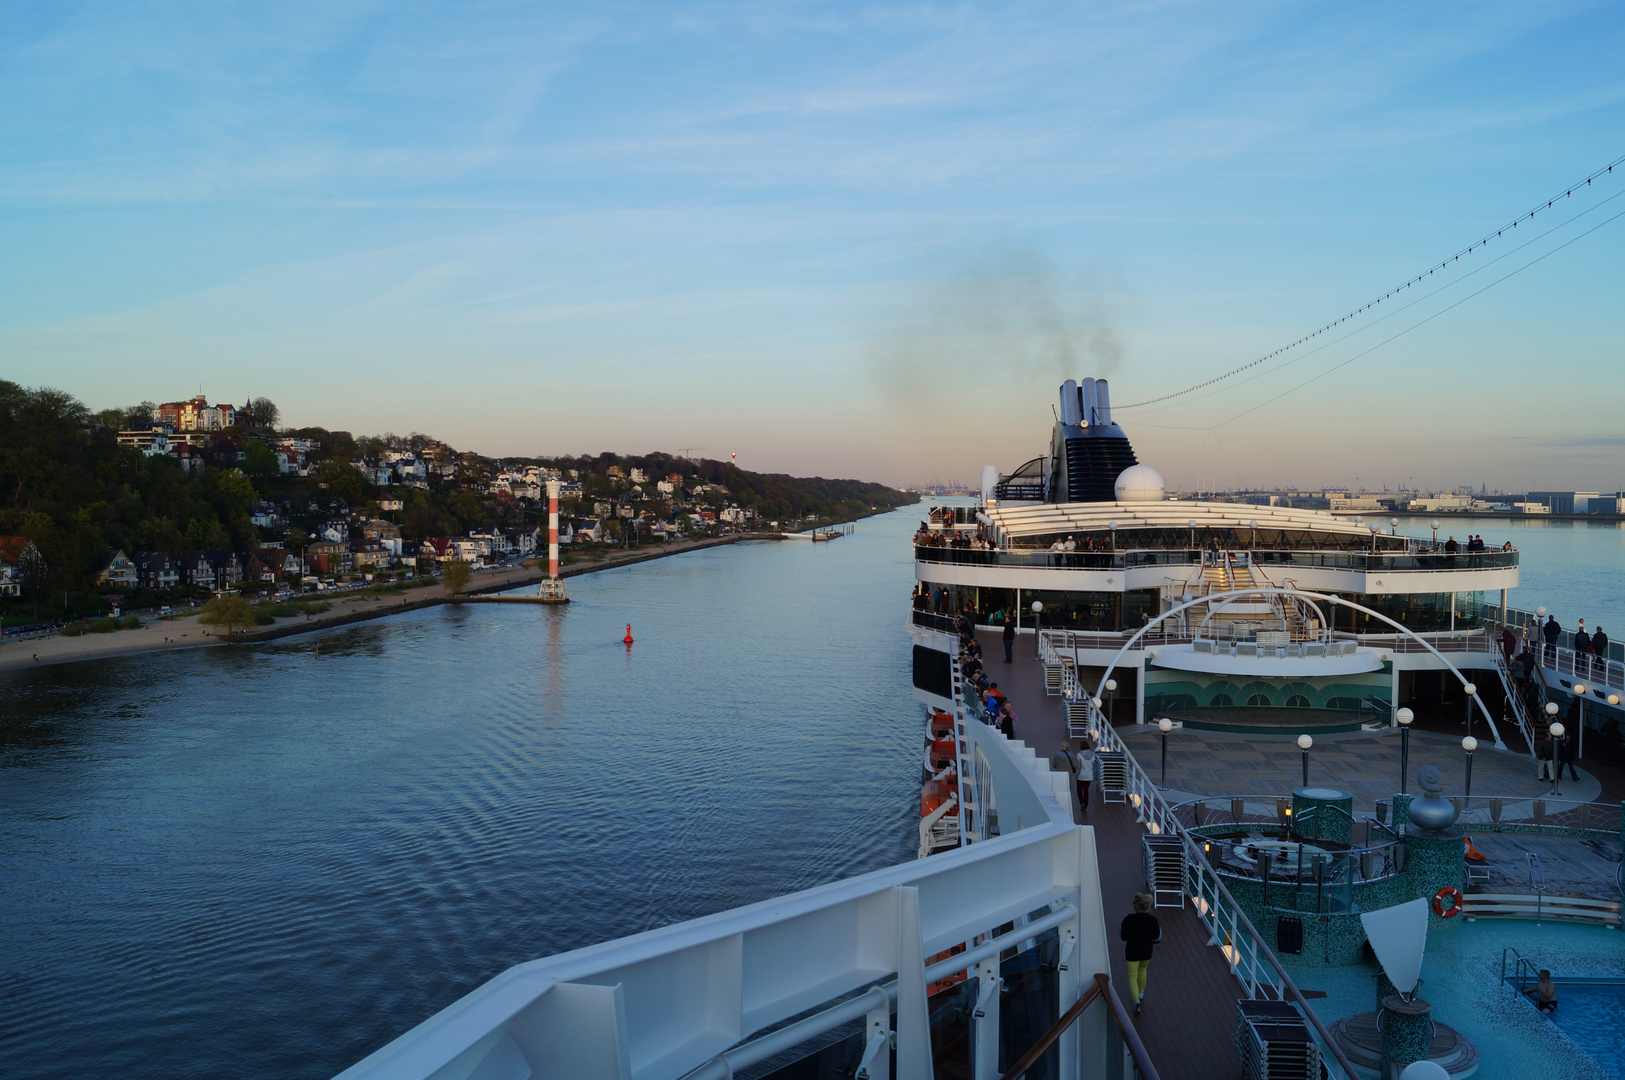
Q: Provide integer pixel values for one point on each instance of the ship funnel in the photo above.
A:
(1070, 413)
(990, 481)
(1086, 394)
(1103, 404)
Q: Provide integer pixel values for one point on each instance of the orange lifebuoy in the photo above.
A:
(1455, 902)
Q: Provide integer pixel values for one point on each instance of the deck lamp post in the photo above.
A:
(1165, 725)
(1468, 744)
(1580, 704)
(1038, 608)
(1192, 524)
(1253, 525)
(1557, 773)
(1304, 743)
(1434, 525)
(1404, 717)
(1393, 523)
(1111, 528)
(1468, 690)
(1111, 691)
(1375, 527)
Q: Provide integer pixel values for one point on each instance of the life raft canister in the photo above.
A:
(1455, 902)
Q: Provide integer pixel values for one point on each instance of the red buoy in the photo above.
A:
(628, 638)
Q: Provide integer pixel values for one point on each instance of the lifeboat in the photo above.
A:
(933, 793)
(940, 755)
(941, 725)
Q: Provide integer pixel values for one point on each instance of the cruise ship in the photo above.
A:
(1319, 870)
(1219, 615)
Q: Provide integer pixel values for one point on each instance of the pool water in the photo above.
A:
(1594, 1017)
(1461, 973)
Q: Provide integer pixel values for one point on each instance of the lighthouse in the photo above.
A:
(551, 590)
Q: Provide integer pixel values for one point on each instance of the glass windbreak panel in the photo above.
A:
(1072, 610)
(1028, 1007)
(1422, 612)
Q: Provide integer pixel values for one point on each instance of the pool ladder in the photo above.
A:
(1537, 882)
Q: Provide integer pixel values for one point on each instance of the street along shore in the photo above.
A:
(186, 632)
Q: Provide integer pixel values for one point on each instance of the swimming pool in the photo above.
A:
(1594, 1016)
(1461, 977)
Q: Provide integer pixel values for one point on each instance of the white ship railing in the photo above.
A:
(710, 996)
(1251, 960)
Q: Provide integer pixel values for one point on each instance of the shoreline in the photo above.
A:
(187, 633)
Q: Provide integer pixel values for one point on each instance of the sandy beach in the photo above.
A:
(186, 632)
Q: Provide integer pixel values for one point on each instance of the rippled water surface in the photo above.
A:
(1574, 568)
(270, 860)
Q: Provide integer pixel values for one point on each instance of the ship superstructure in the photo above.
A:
(1233, 616)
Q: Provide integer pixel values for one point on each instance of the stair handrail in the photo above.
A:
(1158, 816)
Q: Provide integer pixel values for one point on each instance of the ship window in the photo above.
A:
(1259, 699)
(1221, 701)
(1297, 701)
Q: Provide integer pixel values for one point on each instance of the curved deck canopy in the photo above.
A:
(1022, 520)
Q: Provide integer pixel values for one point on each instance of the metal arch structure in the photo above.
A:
(1094, 701)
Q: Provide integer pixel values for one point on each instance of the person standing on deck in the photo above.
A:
(1086, 771)
(1565, 752)
(1545, 752)
(1139, 932)
(1599, 649)
(1551, 632)
(1509, 643)
(1009, 638)
(1582, 648)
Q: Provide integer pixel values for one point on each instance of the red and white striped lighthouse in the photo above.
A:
(551, 590)
(553, 528)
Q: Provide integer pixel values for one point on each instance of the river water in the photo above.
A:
(270, 860)
(1574, 568)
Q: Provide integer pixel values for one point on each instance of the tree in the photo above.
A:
(342, 479)
(262, 412)
(455, 575)
(260, 463)
(231, 612)
(33, 575)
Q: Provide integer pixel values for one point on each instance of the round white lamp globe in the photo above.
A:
(1404, 716)
(1551, 708)
(1038, 605)
(1469, 744)
(1579, 689)
(1111, 684)
(1305, 742)
(1469, 689)
(1139, 484)
(1165, 725)
(1424, 1070)
(1557, 731)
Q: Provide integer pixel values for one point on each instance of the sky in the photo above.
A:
(834, 239)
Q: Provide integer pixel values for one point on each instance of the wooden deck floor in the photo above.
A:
(1190, 1005)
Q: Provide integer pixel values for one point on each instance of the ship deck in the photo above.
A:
(1189, 1018)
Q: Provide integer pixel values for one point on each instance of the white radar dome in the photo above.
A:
(1140, 483)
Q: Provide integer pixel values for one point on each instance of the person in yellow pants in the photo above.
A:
(1139, 932)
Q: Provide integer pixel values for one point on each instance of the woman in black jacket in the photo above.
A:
(1140, 931)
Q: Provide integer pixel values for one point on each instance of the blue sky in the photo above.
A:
(834, 239)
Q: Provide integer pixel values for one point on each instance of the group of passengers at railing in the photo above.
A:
(996, 709)
(1475, 543)
(1590, 648)
(927, 538)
